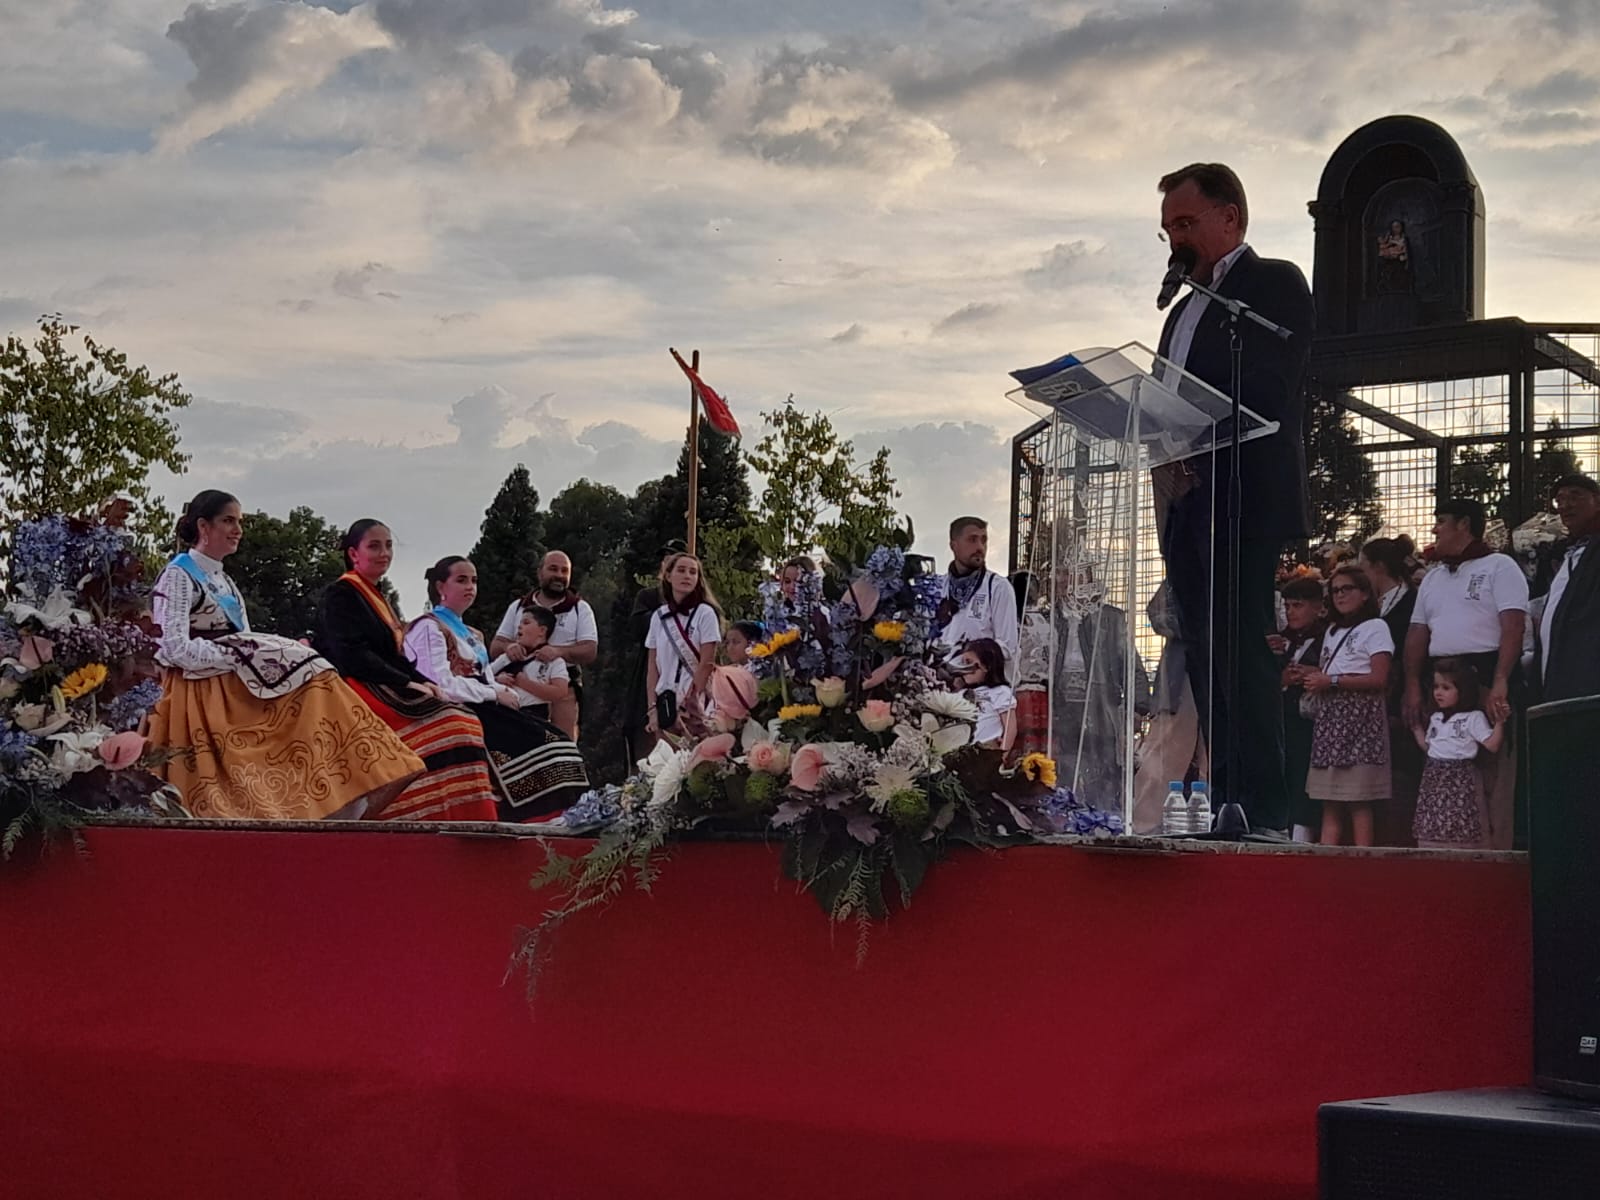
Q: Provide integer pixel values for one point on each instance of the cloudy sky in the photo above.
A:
(396, 247)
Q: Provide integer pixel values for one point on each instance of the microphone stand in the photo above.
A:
(1231, 823)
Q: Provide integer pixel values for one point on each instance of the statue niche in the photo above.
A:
(1399, 231)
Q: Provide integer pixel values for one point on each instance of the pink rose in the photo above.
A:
(714, 749)
(876, 716)
(121, 750)
(733, 692)
(805, 772)
(35, 652)
(770, 758)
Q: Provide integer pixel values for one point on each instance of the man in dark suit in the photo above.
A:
(1569, 629)
(1204, 214)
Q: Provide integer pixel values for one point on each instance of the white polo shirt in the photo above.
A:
(1462, 607)
(574, 625)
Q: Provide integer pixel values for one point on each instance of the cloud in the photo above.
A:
(969, 316)
(353, 284)
(1561, 88)
(206, 426)
(850, 335)
(453, 20)
(245, 59)
(1060, 267)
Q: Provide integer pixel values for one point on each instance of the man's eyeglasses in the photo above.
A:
(1183, 224)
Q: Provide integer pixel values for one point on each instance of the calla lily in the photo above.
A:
(713, 749)
(733, 692)
(35, 652)
(121, 750)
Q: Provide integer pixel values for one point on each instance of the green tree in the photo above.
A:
(589, 522)
(80, 426)
(1342, 481)
(510, 544)
(1555, 459)
(1483, 473)
(282, 566)
(816, 496)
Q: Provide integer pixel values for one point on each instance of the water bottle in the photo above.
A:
(1199, 807)
(1175, 811)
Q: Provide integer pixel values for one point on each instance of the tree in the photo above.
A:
(510, 544)
(1343, 483)
(282, 566)
(815, 494)
(1556, 459)
(589, 522)
(78, 428)
(1482, 473)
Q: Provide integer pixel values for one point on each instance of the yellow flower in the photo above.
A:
(889, 631)
(1040, 767)
(83, 681)
(760, 650)
(796, 712)
(784, 637)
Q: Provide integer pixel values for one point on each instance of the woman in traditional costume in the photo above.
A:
(362, 637)
(274, 732)
(539, 766)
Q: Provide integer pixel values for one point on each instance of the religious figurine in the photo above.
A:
(1394, 261)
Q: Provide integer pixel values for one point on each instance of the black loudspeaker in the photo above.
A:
(1564, 853)
(1482, 1144)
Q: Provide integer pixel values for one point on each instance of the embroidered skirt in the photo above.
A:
(302, 755)
(1450, 805)
(539, 767)
(459, 784)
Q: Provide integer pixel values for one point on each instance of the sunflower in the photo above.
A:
(889, 631)
(83, 681)
(775, 643)
(1040, 767)
(799, 712)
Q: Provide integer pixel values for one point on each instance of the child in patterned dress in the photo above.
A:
(1450, 804)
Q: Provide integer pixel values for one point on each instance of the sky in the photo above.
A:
(395, 248)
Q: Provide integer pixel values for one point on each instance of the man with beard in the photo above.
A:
(979, 603)
(576, 639)
(1204, 214)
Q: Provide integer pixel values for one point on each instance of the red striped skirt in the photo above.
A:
(459, 784)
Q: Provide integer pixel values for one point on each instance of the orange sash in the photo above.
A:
(378, 604)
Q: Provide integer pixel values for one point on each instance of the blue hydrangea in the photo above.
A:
(595, 808)
(15, 746)
(885, 565)
(39, 554)
(129, 707)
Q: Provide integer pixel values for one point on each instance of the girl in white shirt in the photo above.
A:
(682, 649)
(980, 668)
(1450, 804)
(1350, 732)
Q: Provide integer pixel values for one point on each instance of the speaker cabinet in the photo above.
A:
(1482, 1144)
(1564, 857)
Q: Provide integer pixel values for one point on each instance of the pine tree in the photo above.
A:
(1556, 459)
(1481, 473)
(1343, 482)
(510, 544)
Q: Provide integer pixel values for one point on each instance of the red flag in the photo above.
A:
(717, 412)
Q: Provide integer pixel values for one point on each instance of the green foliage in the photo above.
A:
(729, 556)
(282, 566)
(78, 425)
(510, 544)
(816, 496)
(1343, 483)
(1483, 473)
(590, 523)
(1555, 459)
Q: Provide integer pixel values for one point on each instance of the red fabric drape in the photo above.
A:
(190, 1013)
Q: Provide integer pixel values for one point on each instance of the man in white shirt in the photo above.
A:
(980, 604)
(576, 639)
(1568, 653)
(1473, 606)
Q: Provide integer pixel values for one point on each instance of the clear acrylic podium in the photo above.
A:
(1118, 435)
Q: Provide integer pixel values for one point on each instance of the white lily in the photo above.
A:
(668, 780)
(75, 752)
(951, 737)
(55, 612)
(949, 706)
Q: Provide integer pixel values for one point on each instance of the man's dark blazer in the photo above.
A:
(1574, 650)
(1272, 470)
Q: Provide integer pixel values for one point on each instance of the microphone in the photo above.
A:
(1178, 268)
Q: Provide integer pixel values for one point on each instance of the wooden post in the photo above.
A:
(694, 455)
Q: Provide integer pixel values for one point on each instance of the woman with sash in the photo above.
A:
(274, 732)
(362, 637)
(539, 766)
(681, 650)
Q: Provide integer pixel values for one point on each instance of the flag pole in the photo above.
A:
(694, 454)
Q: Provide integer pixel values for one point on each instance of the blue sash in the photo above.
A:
(228, 603)
(451, 621)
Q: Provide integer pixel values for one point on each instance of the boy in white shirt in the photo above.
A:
(538, 684)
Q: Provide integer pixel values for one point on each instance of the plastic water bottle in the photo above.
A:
(1199, 807)
(1175, 811)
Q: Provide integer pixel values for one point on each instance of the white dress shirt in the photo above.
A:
(1194, 307)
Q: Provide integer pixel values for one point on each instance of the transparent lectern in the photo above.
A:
(1111, 458)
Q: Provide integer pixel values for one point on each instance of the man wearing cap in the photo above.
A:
(1473, 606)
(1568, 654)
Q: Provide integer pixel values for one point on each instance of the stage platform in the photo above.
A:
(193, 1012)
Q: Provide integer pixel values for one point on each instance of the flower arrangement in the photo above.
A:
(850, 750)
(76, 678)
